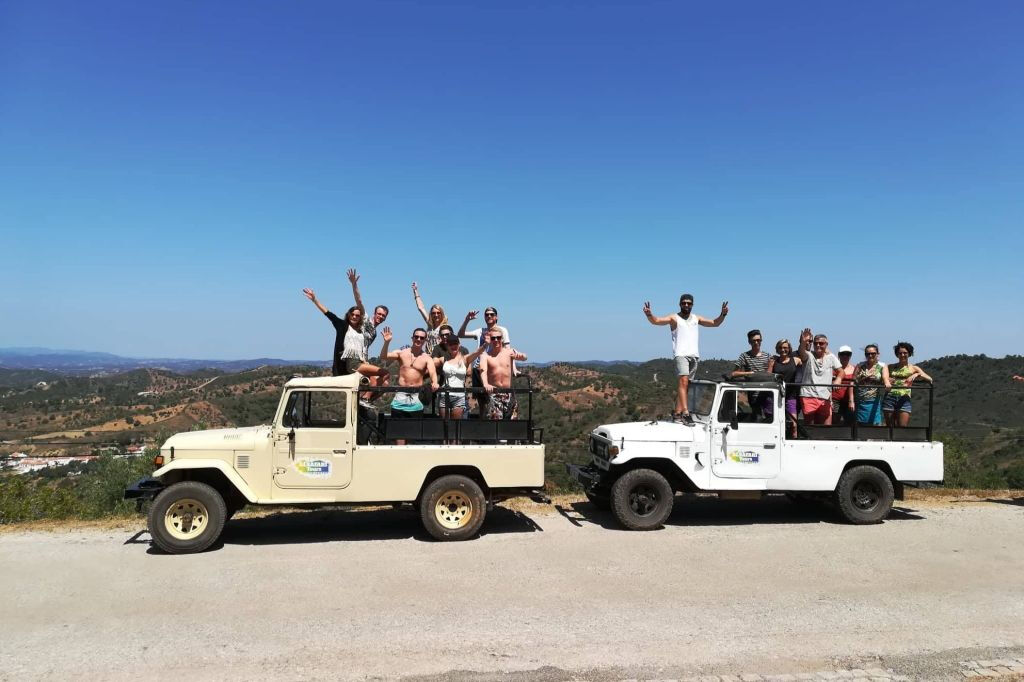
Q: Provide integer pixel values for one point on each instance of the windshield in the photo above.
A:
(700, 397)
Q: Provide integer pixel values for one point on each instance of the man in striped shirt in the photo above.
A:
(755, 361)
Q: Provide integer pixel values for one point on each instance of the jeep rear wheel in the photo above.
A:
(864, 494)
(453, 508)
(187, 517)
(642, 499)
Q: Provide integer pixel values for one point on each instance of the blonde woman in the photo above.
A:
(434, 319)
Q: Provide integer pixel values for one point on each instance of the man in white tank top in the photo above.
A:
(684, 346)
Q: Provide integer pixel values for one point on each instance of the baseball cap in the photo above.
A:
(845, 349)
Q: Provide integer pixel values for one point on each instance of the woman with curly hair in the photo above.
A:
(896, 405)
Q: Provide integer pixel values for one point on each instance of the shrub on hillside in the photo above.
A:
(95, 492)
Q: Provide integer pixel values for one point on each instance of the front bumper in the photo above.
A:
(587, 476)
(143, 490)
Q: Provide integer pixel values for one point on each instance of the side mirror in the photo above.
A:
(734, 424)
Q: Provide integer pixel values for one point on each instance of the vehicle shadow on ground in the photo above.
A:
(708, 511)
(345, 525)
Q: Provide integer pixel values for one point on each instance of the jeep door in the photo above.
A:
(313, 442)
(746, 431)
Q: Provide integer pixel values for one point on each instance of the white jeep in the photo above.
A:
(324, 448)
(739, 449)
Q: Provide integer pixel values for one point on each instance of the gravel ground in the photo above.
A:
(725, 589)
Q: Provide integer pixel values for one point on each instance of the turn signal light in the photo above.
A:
(158, 460)
(613, 450)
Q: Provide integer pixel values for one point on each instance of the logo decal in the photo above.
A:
(313, 468)
(745, 457)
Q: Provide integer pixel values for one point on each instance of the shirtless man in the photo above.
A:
(414, 365)
(496, 372)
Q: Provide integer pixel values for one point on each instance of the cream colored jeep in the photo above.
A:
(324, 448)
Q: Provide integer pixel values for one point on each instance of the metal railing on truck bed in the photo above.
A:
(382, 428)
(857, 431)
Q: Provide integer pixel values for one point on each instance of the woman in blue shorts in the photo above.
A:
(896, 405)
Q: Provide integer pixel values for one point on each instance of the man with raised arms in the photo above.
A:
(496, 372)
(685, 349)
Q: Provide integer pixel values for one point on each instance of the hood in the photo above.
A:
(651, 431)
(243, 438)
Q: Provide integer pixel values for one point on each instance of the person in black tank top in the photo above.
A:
(786, 367)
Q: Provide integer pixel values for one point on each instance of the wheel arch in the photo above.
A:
(666, 467)
(214, 473)
(466, 470)
(879, 464)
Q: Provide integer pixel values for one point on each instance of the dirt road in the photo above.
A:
(727, 588)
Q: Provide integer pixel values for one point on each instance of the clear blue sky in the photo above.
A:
(173, 173)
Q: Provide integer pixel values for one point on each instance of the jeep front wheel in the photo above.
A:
(187, 517)
(642, 499)
(453, 508)
(864, 494)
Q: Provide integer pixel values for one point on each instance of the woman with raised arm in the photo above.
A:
(349, 343)
(434, 319)
(896, 405)
(454, 366)
(868, 379)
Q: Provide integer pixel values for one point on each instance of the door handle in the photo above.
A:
(769, 446)
(340, 452)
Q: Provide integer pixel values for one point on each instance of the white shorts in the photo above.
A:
(686, 365)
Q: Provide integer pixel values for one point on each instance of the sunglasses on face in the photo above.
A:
(419, 338)
(870, 354)
(495, 338)
(821, 343)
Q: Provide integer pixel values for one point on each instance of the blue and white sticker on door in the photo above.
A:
(745, 457)
(313, 468)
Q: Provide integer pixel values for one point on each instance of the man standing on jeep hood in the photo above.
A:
(684, 326)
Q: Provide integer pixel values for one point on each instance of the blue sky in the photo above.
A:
(172, 174)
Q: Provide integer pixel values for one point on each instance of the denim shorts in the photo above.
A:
(896, 403)
(686, 365)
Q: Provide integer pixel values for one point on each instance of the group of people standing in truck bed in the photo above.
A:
(435, 357)
(825, 388)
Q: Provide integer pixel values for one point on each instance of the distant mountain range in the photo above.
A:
(80, 362)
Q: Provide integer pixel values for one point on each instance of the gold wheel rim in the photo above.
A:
(186, 519)
(454, 509)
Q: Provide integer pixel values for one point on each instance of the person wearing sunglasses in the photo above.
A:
(490, 324)
(370, 326)
(843, 407)
(868, 378)
(785, 366)
(414, 366)
(349, 342)
(820, 368)
(896, 404)
(434, 319)
(496, 372)
(685, 327)
(453, 366)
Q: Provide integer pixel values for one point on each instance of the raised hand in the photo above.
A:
(806, 334)
(647, 307)
(471, 315)
(415, 289)
(309, 294)
(352, 276)
(386, 334)
(725, 307)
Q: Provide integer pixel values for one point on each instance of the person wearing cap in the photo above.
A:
(755, 361)
(843, 407)
(490, 323)
(684, 346)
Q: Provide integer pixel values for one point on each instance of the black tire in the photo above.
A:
(453, 508)
(602, 502)
(864, 494)
(187, 517)
(642, 499)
